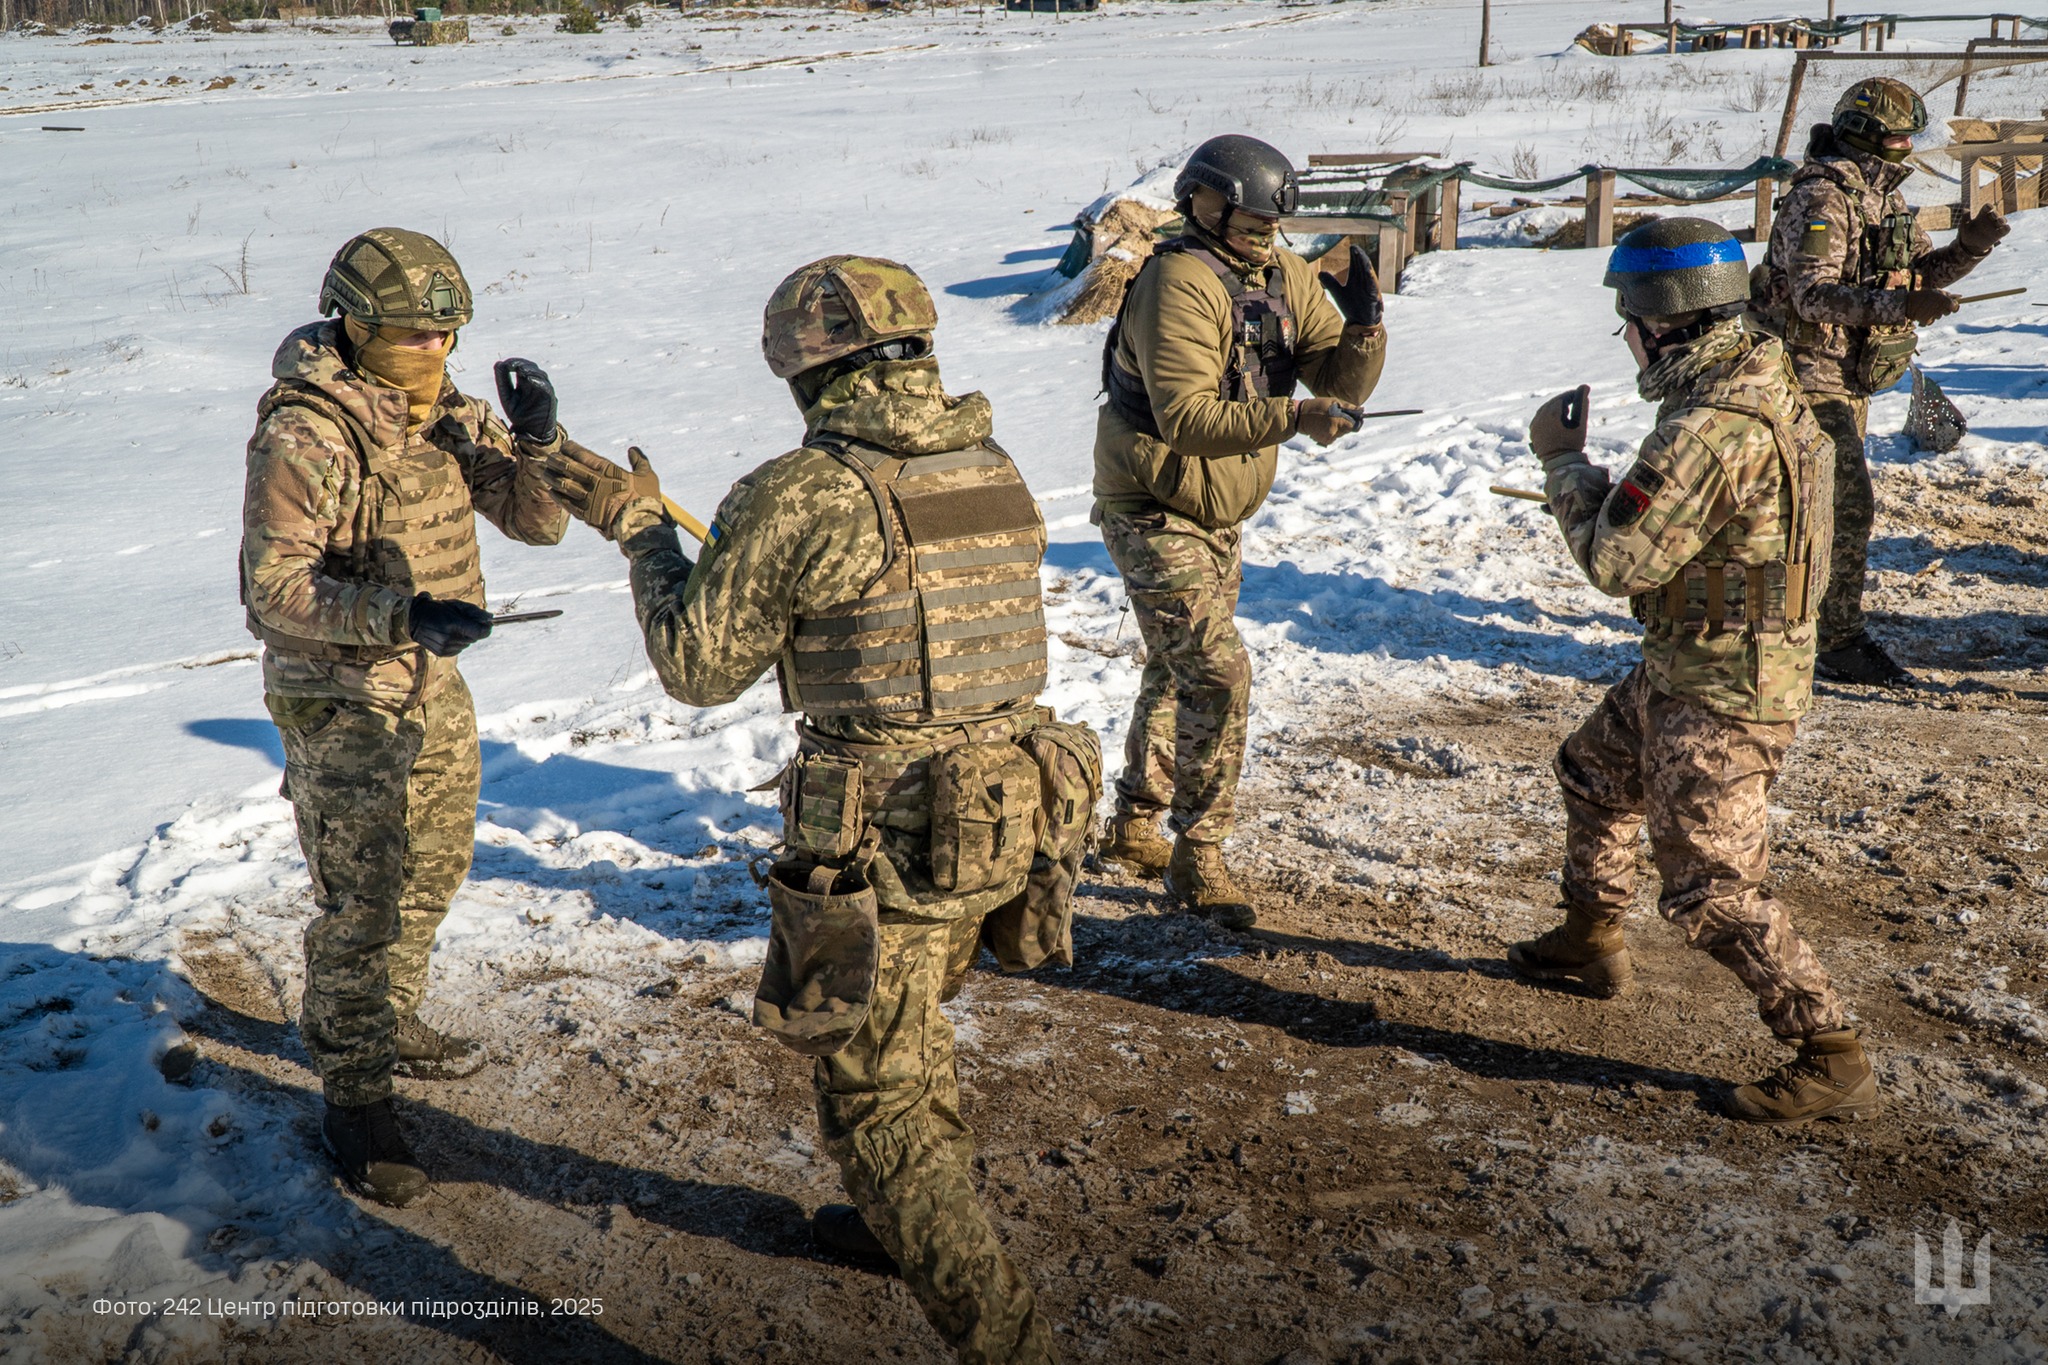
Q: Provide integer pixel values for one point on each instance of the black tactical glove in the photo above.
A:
(1558, 430)
(1929, 305)
(1983, 230)
(1358, 298)
(528, 397)
(446, 627)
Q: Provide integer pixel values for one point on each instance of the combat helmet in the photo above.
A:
(1675, 266)
(1251, 175)
(395, 276)
(841, 305)
(1872, 110)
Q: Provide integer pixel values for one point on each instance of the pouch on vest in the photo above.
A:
(1887, 355)
(984, 815)
(821, 805)
(1038, 926)
(824, 953)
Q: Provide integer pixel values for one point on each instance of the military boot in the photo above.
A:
(427, 1054)
(1585, 948)
(1136, 845)
(1197, 878)
(1829, 1079)
(1862, 661)
(365, 1142)
(839, 1230)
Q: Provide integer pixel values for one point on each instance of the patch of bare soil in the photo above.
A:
(1349, 1134)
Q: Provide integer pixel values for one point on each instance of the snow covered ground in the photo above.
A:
(622, 204)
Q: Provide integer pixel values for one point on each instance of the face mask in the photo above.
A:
(1253, 236)
(417, 372)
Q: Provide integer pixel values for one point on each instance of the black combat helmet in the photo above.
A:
(1675, 266)
(1251, 175)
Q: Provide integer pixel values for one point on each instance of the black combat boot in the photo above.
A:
(1862, 661)
(839, 1230)
(365, 1142)
(427, 1054)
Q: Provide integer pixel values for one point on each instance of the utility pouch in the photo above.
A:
(1887, 354)
(824, 951)
(821, 805)
(984, 815)
(1038, 926)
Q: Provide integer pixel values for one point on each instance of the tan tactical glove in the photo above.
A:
(1557, 433)
(1929, 305)
(594, 489)
(1983, 230)
(1323, 420)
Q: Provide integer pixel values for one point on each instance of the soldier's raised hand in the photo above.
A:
(1358, 297)
(594, 489)
(1929, 305)
(1983, 230)
(1558, 430)
(528, 397)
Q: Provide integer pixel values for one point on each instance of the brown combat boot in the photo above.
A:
(1829, 1079)
(1585, 949)
(1136, 845)
(1198, 879)
(427, 1054)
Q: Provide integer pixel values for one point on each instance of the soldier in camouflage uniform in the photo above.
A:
(1848, 276)
(1718, 535)
(1200, 370)
(360, 574)
(888, 570)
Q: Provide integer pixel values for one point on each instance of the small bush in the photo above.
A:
(633, 19)
(577, 18)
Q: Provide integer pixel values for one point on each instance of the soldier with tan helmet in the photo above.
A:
(887, 570)
(1849, 275)
(360, 573)
(1200, 371)
(1718, 535)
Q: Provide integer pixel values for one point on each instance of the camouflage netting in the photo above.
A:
(1932, 422)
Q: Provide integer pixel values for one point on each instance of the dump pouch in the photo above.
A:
(824, 951)
(1887, 354)
(1038, 926)
(821, 805)
(984, 815)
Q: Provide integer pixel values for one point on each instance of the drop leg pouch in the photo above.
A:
(823, 954)
(1038, 926)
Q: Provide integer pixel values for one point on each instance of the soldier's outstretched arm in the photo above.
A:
(1975, 237)
(292, 501)
(506, 484)
(799, 534)
(1812, 240)
(1673, 499)
(1340, 356)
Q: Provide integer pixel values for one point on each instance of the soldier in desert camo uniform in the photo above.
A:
(361, 576)
(888, 571)
(1849, 275)
(1200, 370)
(1718, 534)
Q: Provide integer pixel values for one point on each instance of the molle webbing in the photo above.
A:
(952, 623)
(1260, 361)
(413, 530)
(896, 778)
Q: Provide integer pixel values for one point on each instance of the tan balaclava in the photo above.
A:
(1248, 236)
(417, 372)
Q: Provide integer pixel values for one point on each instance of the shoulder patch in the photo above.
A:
(1632, 497)
(1816, 240)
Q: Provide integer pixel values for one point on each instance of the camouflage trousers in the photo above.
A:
(1845, 420)
(1185, 750)
(1703, 781)
(889, 1109)
(386, 807)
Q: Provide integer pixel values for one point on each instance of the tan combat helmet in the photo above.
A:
(843, 304)
(1872, 110)
(391, 275)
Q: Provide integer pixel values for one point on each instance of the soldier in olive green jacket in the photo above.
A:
(1200, 369)
(1718, 534)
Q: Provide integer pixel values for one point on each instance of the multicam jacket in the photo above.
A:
(347, 514)
(1720, 532)
(1843, 253)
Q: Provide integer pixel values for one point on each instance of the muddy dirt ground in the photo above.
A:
(1349, 1134)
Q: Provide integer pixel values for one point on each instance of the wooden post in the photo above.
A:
(1791, 103)
(1971, 201)
(1600, 209)
(1486, 31)
(1448, 195)
(1671, 37)
(1765, 193)
(1389, 254)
